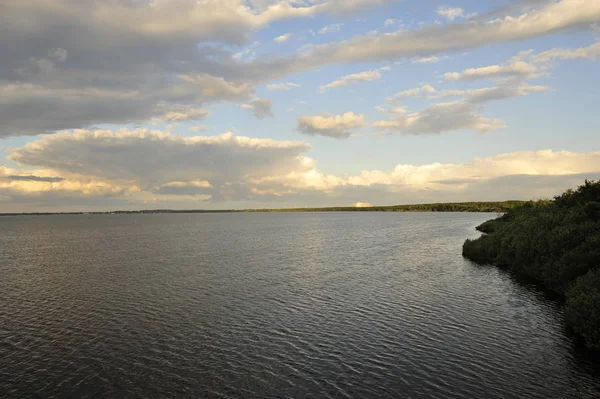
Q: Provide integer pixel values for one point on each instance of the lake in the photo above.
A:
(273, 305)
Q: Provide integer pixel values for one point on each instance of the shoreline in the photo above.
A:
(488, 207)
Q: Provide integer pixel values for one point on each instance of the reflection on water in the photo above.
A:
(263, 305)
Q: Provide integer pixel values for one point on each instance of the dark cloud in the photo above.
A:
(36, 178)
(156, 159)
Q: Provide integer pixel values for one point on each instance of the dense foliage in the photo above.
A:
(558, 244)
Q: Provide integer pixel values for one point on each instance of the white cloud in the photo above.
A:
(199, 128)
(518, 175)
(518, 69)
(431, 40)
(59, 54)
(261, 108)
(94, 53)
(86, 168)
(474, 96)
(426, 60)
(338, 126)
(545, 162)
(591, 52)
(283, 38)
(464, 113)
(391, 22)
(22, 187)
(416, 92)
(282, 86)
(487, 94)
(460, 114)
(183, 114)
(440, 118)
(333, 28)
(366, 76)
(450, 13)
(245, 55)
(156, 160)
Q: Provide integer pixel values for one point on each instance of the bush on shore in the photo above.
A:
(558, 244)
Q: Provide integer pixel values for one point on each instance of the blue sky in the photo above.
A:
(125, 120)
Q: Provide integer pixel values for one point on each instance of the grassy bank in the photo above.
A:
(556, 243)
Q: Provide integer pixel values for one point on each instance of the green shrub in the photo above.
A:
(582, 310)
(555, 242)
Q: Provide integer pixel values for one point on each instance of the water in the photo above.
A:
(273, 305)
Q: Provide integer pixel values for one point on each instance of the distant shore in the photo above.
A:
(501, 206)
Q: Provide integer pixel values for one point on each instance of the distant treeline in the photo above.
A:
(439, 207)
(556, 243)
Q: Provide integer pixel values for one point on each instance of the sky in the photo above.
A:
(234, 104)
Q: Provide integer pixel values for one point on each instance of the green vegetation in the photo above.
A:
(558, 244)
(440, 207)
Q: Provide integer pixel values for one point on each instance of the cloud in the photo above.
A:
(366, 76)
(511, 79)
(591, 52)
(226, 21)
(338, 126)
(36, 178)
(82, 66)
(533, 163)
(283, 38)
(246, 55)
(58, 54)
(518, 175)
(23, 188)
(391, 22)
(426, 60)
(199, 128)
(439, 118)
(158, 162)
(261, 108)
(450, 13)
(416, 92)
(333, 28)
(449, 116)
(431, 40)
(183, 114)
(473, 96)
(487, 94)
(517, 69)
(511, 82)
(78, 66)
(282, 86)
(237, 171)
(187, 188)
(30, 109)
(346, 7)
(525, 65)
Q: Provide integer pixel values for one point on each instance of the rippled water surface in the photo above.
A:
(273, 305)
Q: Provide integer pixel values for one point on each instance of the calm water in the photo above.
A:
(273, 305)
